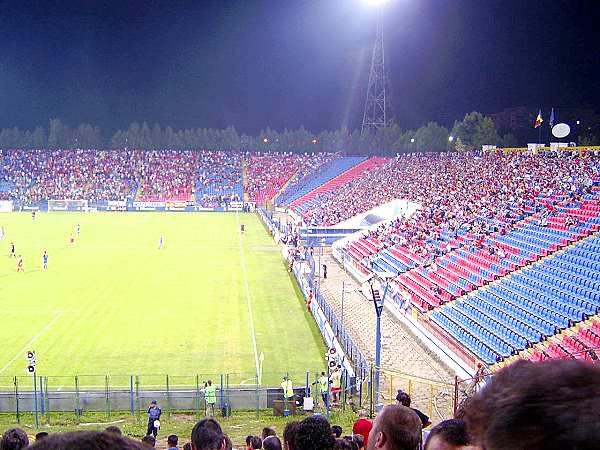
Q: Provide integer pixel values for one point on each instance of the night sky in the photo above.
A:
(286, 63)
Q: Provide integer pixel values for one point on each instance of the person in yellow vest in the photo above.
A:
(210, 395)
(288, 389)
(323, 383)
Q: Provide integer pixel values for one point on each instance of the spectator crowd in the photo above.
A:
(219, 178)
(457, 194)
(37, 175)
(267, 173)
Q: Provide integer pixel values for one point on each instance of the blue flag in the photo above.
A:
(551, 121)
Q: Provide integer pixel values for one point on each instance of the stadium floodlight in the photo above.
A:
(376, 3)
(265, 140)
(450, 138)
(412, 140)
(375, 115)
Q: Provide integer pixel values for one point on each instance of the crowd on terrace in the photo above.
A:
(219, 178)
(267, 173)
(35, 175)
(312, 166)
(216, 177)
(457, 193)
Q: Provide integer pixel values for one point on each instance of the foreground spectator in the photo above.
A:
(359, 440)
(344, 444)
(207, 435)
(149, 441)
(396, 428)
(268, 431)
(253, 442)
(172, 441)
(113, 429)
(88, 440)
(362, 426)
(271, 443)
(449, 435)
(41, 435)
(289, 435)
(314, 433)
(337, 431)
(404, 399)
(14, 439)
(547, 405)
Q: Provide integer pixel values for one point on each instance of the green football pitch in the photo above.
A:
(212, 301)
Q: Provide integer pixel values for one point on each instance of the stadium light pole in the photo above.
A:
(378, 302)
(375, 112)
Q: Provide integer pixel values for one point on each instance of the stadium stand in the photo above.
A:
(583, 342)
(309, 205)
(317, 163)
(219, 179)
(522, 309)
(300, 186)
(166, 175)
(471, 232)
(267, 173)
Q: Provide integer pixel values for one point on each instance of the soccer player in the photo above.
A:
(78, 229)
(12, 250)
(161, 243)
(71, 239)
(32, 215)
(20, 264)
(2, 233)
(45, 260)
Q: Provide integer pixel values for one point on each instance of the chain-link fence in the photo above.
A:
(46, 395)
(109, 394)
(434, 398)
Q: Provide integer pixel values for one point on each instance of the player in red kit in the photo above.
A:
(20, 264)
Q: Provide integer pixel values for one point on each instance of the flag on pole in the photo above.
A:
(538, 120)
(551, 121)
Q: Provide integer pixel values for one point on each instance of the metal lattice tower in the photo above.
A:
(375, 115)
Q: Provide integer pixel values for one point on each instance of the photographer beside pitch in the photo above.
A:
(154, 413)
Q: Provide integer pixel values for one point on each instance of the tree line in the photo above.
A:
(470, 133)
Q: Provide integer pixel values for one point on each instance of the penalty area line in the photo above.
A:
(27, 346)
(248, 301)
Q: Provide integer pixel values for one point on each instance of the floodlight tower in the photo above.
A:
(375, 114)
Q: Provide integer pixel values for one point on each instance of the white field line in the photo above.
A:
(21, 353)
(244, 274)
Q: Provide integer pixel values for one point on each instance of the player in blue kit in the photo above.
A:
(45, 260)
